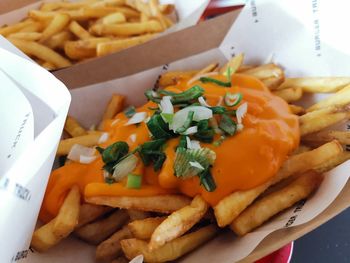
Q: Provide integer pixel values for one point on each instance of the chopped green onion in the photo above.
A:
(130, 111)
(134, 181)
(167, 92)
(124, 167)
(228, 73)
(114, 152)
(153, 152)
(227, 125)
(218, 110)
(204, 133)
(158, 128)
(220, 141)
(193, 93)
(167, 117)
(182, 165)
(232, 99)
(183, 141)
(207, 180)
(215, 81)
(180, 117)
(187, 123)
(152, 96)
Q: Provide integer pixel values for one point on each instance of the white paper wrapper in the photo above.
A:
(301, 36)
(33, 106)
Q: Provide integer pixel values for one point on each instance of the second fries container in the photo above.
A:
(299, 36)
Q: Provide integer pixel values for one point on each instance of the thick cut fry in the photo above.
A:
(73, 127)
(100, 230)
(110, 248)
(40, 51)
(107, 3)
(65, 5)
(144, 228)
(115, 105)
(85, 140)
(207, 69)
(316, 84)
(266, 71)
(78, 30)
(60, 227)
(48, 66)
(167, 8)
(322, 137)
(341, 98)
(82, 49)
(34, 27)
(140, 6)
(120, 44)
(57, 24)
(7, 30)
(58, 40)
(234, 64)
(289, 95)
(273, 82)
(232, 205)
(68, 215)
(160, 203)
(172, 77)
(137, 215)
(156, 13)
(31, 36)
(179, 222)
(317, 120)
(335, 161)
(127, 29)
(114, 18)
(170, 251)
(89, 213)
(272, 204)
(297, 110)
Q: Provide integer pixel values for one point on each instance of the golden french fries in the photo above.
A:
(179, 222)
(98, 231)
(61, 226)
(86, 140)
(289, 95)
(234, 64)
(110, 248)
(297, 110)
(268, 206)
(89, 213)
(57, 26)
(73, 127)
(160, 203)
(316, 84)
(170, 251)
(172, 77)
(144, 228)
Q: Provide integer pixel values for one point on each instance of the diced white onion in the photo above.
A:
(124, 167)
(191, 130)
(240, 126)
(154, 94)
(166, 105)
(87, 159)
(104, 137)
(137, 118)
(137, 259)
(200, 113)
(188, 142)
(197, 165)
(203, 102)
(82, 154)
(197, 77)
(241, 112)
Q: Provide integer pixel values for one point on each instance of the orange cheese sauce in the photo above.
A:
(243, 161)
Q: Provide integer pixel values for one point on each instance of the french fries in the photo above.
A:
(161, 203)
(61, 226)
(55, 30)
(98, 231)
(275, 202)
(165, 227)
(179, 222)
(170, 251)
(110, 248)
(86, 140)
(144, 228)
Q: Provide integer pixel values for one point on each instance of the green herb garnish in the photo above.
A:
(113, 154)
(152, 152)
(191, 94)
(207, 180)
(158, 128)
(215, 81)
(187, 123)
(227, 125)
(130, 111)
(134, 181)
(205, 133)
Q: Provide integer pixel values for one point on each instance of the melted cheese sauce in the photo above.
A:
(244, 160)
